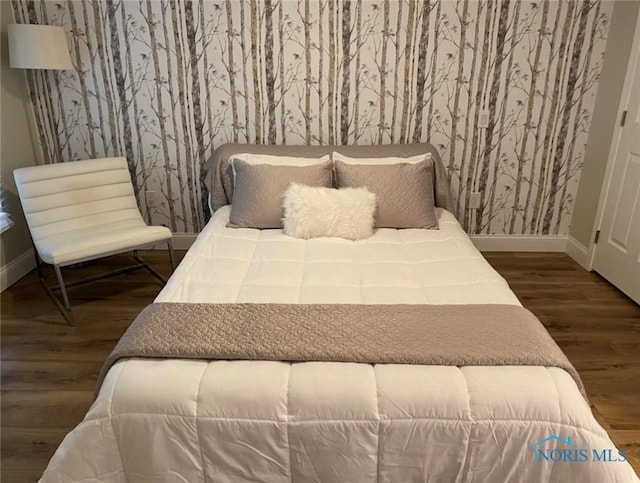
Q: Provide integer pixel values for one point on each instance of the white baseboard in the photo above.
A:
(520, 243)
(16, 269)
(484, 243)
(577, 251)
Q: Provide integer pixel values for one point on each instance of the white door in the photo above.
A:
(617, 253)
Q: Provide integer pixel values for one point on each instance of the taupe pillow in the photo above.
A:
(259, 188)
(404, 192)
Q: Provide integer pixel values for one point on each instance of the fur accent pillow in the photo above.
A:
(311, 212)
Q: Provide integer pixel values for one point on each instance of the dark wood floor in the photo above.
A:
(49, 370)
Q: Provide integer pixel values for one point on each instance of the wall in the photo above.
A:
(16, 150)
(623, 24)
(504, 89)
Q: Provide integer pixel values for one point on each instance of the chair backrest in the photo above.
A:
(64, 197)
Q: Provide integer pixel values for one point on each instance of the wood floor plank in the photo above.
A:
(609, 408)
(29, 448)
(44, 409)
(630, 441)
(48, 369)
(24, 375)
(26, 476)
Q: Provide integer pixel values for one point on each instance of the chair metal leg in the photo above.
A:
(38, 263)
(64, 306)
(152, 270)
(63, 289)
(172, 258)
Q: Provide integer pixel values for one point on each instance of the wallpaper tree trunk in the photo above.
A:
(462, 202)
(534, 69)
(382, 71)
(346, 72)
(175, 104)
(255, 62)
(566, 115)
(421, 82)
(503, 88)
(480, 91)
(493, 102)
(269, 69)
(119, 74)
(461, 45)
(167, 185)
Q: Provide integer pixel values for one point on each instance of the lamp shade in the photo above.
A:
(38, 47)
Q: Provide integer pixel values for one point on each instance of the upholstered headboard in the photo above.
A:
(221, 176)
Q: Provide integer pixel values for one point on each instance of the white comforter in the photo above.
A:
(258, 421)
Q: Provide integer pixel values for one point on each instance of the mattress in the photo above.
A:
(240, 421)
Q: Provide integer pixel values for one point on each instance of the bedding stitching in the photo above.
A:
(559, 410)
(113, 388)
(196, 420)
(423, 286)
(359, 264)
(315, 421)
(302, 272)
(555, 385)
(466, 463)
(464, 469)
(179, 267)
(248, 265)
(288, 421)
(375, 381)
(111, 417)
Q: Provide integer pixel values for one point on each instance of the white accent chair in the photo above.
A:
(84, 210)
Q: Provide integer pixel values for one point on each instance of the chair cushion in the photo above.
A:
(100, 241)
(81, 210)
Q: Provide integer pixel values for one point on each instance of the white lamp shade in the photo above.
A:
(38, 47)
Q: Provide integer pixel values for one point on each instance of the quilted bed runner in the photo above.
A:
(451, 335)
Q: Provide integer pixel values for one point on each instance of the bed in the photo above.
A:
(271, 421)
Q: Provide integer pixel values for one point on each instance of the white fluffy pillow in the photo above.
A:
(311, 212)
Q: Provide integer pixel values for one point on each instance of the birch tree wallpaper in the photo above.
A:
(504, 89)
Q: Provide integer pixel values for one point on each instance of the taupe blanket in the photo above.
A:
(453, 335)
